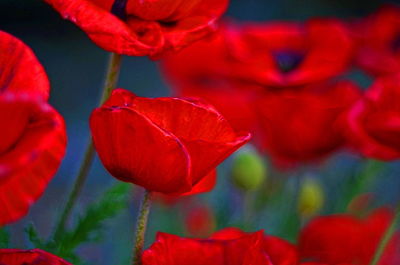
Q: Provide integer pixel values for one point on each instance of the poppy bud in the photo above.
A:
(249, 171)
(311, 197)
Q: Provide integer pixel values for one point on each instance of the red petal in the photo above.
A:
(162, 10)
(366, 130)
(138, 36)
(27, 166)
(206, 184)
(34, 256)
(332, 239)
(208, 137)
(195, 139)
(134, 149)
(20, 71)
(174, 250)
(105, 29)
(280, 251)
(344, 239)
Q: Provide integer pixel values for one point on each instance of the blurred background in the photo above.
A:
(76, 67)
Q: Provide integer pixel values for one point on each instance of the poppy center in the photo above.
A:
(119, 9)
(288, 61)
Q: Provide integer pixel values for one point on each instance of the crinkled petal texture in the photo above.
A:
(379, 42)
(173, 250)
(166, 145)
(304, 125)
(279, 54)
(29, 257)
(374, 122)
(137, 27)
(33, 141)
(20, 71)
(344, 239)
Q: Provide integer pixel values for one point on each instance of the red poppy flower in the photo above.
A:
(344, 239)
(173, 250)
(20, 71)
(33, 137)
(379, 37)
(374, 121)
(31, 149)
(304, 125)
(165, 145)
(29, 257)
(280, 54)
(137, 27)
(279, 251)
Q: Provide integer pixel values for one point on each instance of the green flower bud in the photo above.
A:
(311, 197)
(249, 170)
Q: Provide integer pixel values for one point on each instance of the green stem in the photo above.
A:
(386, 238)
(141, 225)
(114, 65)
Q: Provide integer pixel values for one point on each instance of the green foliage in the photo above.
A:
(90, 226)
(4, 238)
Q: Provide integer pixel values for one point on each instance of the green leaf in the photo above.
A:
(91, 225)
(4, 238)
(33, 237)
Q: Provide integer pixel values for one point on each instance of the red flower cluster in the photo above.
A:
(327, 240)
(273, 79)
(168, 145)
(280, 55)
(29, 257)
(379, 42)
(142, 27)
(228, 246)
(343, 239)
(374, 121)
(34, 138)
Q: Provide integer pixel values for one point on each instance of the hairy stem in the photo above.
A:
(141, 225)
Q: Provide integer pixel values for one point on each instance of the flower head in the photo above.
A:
(142, 27)
(33, 137)
(167, 145)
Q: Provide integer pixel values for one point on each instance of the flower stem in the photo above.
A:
(113, 69)
(386, 238)
(141, 224)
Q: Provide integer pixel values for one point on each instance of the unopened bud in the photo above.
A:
(249, 170)
(311, 197)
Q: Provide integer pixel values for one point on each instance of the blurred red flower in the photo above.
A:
(170, 249)
(142, 27)
(344, 239)
(228, 246)
(33, 136)
(278, 54)
(243, 69)
(166, 145)
(279, 251)
(29, 257)
(20, 71)
(379, 42)
(374, 121)
(304, 125)
(200, 220)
